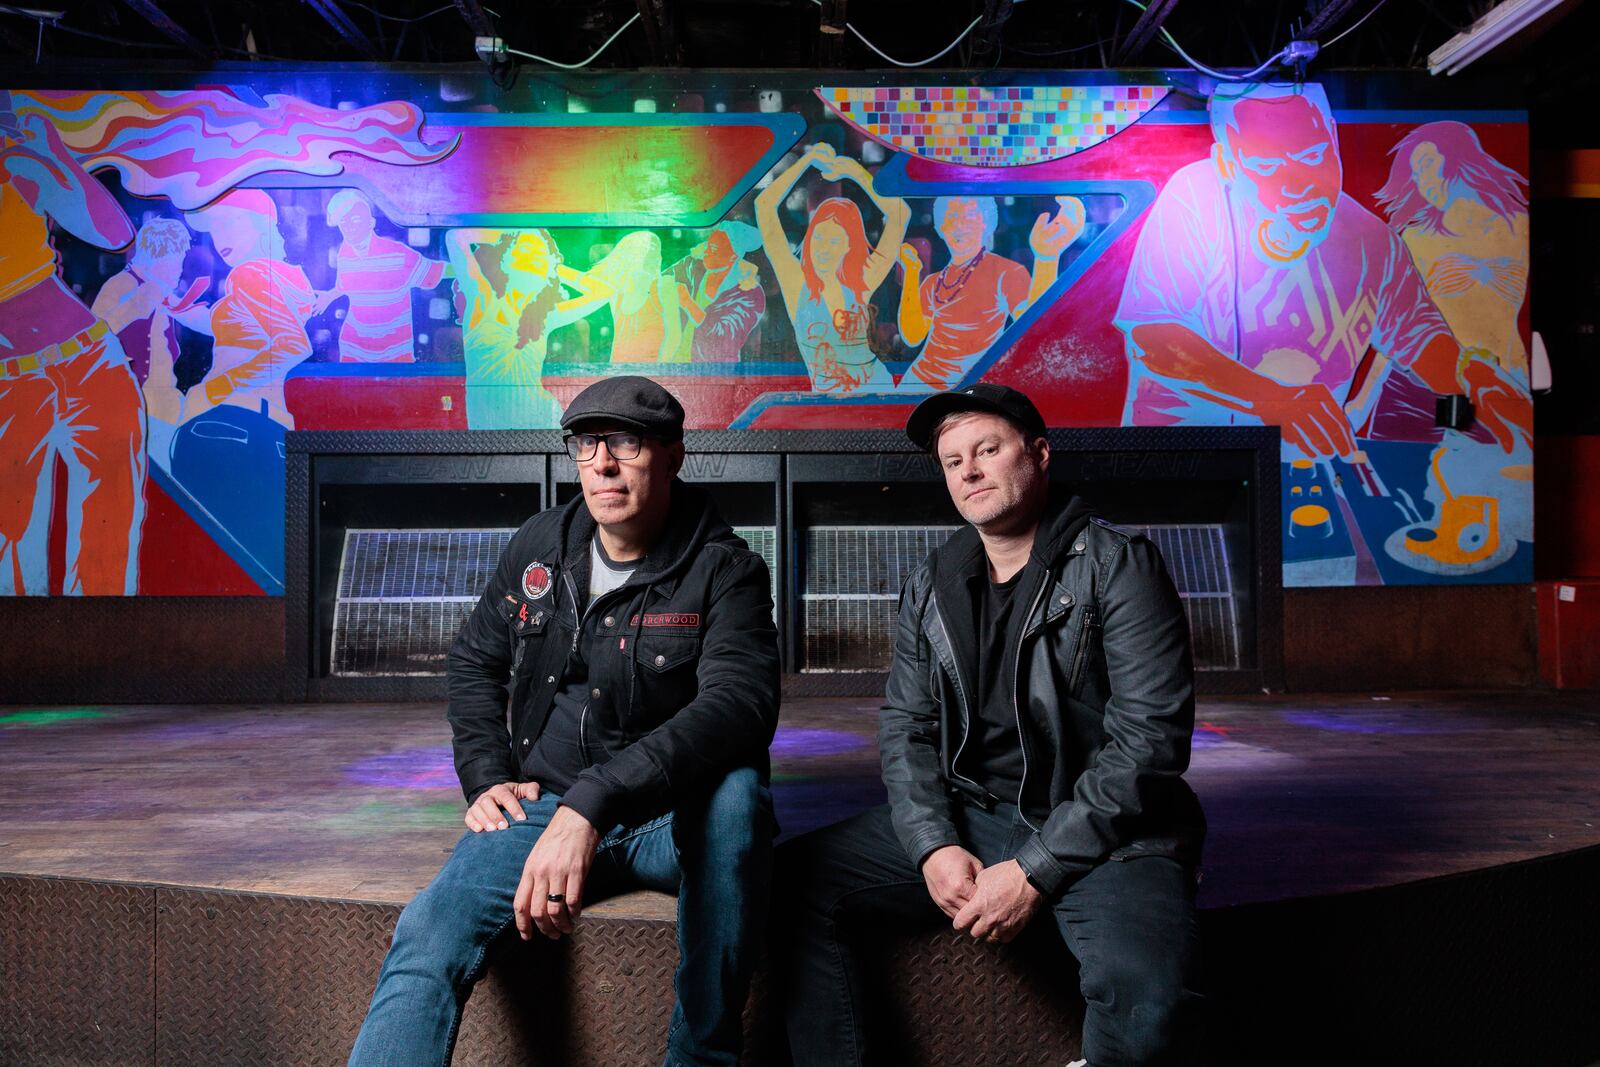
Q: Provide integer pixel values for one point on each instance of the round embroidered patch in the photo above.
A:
(535, 581)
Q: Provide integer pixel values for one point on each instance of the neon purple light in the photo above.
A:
(801, 743)
(1358, 722)
(411, 768)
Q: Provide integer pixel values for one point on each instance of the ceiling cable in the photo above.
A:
(585, 63)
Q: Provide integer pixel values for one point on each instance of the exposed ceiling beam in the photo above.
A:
(330, 10)
(1144, 31)
(660, 18)
(163, 22)
(996, 13)
(830, 33)
(477, 18)
(1324, 20)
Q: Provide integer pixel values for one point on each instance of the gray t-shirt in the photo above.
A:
(605, 575)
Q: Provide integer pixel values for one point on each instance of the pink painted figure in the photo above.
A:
(377, 273)
(67, 391)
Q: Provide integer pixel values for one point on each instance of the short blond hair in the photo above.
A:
(162, 237)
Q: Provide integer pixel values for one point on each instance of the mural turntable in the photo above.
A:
(226, 878)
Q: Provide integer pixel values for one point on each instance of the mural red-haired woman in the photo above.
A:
(828, 289)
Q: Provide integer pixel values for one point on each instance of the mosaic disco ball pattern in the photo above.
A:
(992, 127)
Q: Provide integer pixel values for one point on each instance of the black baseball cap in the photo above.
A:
(631, 400)
(984, 396)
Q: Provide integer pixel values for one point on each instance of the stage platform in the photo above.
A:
(1400, 878)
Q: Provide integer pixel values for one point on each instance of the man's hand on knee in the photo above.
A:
(951, 874)
(495, 804)
(1002, 902)
(550, 895)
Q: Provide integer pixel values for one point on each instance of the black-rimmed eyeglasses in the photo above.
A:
(622, 444)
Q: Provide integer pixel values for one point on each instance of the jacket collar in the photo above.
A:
(960, 563)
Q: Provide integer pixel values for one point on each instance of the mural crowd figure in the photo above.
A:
(719, 294)
(513, 287)
(961, 310)
(828, 289)
(1257, 286)
(144, 308)
(377, 274)
(228, 452)
(67, 390)
(644, 302)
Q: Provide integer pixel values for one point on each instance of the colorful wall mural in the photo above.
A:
(187, 273)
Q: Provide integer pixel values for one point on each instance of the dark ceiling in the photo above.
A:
(765, 34)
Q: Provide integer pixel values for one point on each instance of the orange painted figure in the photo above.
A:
(67, 391)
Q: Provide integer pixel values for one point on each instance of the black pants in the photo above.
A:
(1131, 924)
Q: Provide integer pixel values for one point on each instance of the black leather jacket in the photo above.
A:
(683, 660)
(1104, 687)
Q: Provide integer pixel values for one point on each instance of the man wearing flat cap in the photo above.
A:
(1033, 736)
(632, 633)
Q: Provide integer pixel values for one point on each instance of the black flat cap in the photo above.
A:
(984, 396)
(630, 400)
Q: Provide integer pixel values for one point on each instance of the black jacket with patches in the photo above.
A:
(682, 661)
(1103, 683)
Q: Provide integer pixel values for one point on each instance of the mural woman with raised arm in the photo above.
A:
(828, 288)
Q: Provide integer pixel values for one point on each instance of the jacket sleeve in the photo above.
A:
(479, 677)
(729, 723)
(908, 740)
(1149, 721)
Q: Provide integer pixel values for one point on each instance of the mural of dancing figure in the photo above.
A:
(828, 289)
(1464, 217)
(228, 452)
(144, 307)
(67, 391)
(961, 309)
(378, 274)
(720, 294)
(1258, 286)
(644, 312)
(513, 288)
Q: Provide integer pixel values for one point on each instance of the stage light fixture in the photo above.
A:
(1498, 25)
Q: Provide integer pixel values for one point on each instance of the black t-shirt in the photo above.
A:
(993, 757)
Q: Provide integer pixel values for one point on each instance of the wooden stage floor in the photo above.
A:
(1306, 795)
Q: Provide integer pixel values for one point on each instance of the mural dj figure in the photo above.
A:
(828, 289)
(644, 302)
(514, 283)
(1257, 287)
(961, 310)
(720, 294)
(1464, 216)
(377, 274)
(66, 388)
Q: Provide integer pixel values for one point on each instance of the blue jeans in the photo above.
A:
(1131, 924)
(714, 851)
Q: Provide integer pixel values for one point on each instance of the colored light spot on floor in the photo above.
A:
(1349, 722)
(49, 716)
(411, 768)
(804, 743)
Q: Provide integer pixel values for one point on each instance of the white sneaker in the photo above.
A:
(1078, 1063)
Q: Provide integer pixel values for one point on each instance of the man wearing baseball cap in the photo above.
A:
(634, 635)
(1033, 736)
